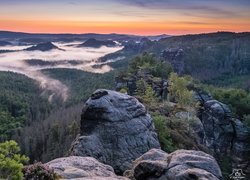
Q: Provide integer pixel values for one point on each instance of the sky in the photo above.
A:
(142, 17)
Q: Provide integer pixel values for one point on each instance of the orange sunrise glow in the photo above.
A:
(128, 17)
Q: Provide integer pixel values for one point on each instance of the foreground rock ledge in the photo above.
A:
(74, 167)
(179, 165)
(115, 129)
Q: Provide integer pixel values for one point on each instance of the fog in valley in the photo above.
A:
(30, 63)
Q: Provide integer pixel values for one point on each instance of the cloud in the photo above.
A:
(219, 8)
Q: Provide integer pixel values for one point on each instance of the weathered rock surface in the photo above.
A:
(75, 167)
(176, 58)
(179, 165)
(225, 135)
(115, 129)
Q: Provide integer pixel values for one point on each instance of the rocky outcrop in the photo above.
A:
(218, 126)
(74, 167)
(159, 85)
(115, 129)
(225, 135)
(175, 58)
(181, 164)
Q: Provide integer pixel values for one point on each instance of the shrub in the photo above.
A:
(144, 61)
(145, 92)
(124, 90)
(162, 70)
(163, 135)
(148, 62)
(11, 162)
(178, 90)
(39, 171)
(237, 99)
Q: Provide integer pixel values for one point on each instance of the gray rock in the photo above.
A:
(217, 126)
(115, 129)
(201, 95)
(179, 165)
(176, 58)
(225, 135)
(75, 167)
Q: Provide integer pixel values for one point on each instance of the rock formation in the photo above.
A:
(159, 85)
(181, 164)
(115, 129)
(74, 167)
(225, 135)
(175, 58)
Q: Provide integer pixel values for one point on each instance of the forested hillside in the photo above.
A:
(24, 107)
(81, 83)
(221, 59)
(209, 56)
(21, 103)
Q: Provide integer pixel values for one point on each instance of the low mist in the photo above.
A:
(85, 59)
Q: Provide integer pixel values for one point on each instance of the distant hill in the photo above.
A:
(97, 43)
(39, 62)
(4, 43)
(223, 56)
(67, 37)
(43, 47)
(157, 37)
(208, 56)
(31, 40)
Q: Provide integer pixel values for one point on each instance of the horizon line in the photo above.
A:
(71, 33)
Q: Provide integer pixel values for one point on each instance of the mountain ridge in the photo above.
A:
(12, 34)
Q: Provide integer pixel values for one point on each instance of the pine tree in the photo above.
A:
(11, 162)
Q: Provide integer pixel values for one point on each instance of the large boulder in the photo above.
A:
(75, 167)
(179, 165)
(115, 129)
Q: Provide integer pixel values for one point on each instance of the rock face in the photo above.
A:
(217, 125)
(175, 58)
(115, 129)
(74, 167)
(225, 135)
(159, 85)
(179, 165)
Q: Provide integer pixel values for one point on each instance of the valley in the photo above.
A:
(46, 80)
